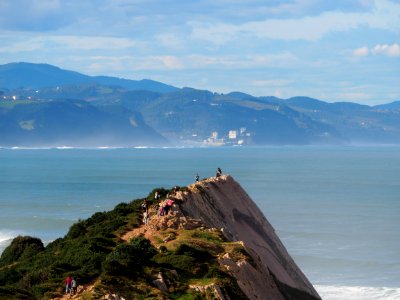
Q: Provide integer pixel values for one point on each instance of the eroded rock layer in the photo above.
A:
(222, 203)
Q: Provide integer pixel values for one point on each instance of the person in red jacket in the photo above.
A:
(68, 284)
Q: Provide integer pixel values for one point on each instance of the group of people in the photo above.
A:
(70, 286)
(163, 207)
(217, 174)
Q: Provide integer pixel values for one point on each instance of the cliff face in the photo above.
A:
(222, 203)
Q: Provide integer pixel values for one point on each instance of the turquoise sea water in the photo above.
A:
(336, 209)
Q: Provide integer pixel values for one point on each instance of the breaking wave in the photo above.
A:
(5, 238)
(328, 292)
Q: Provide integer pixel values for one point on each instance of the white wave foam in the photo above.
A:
(7, 235)
(5, 238)
(28, 148)
(328, 292)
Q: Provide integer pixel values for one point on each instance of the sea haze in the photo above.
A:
(335, 208)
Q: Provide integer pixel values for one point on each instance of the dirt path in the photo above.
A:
(175, 219)
(80, 290)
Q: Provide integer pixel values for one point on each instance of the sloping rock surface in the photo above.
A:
(222, 203)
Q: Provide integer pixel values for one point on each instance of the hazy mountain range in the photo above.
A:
(42, 105)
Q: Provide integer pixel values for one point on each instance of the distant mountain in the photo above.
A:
(73, 123)
(355, 122)
(106, 110)
(190, 114)
(36, 76)
(305, 103)
(392, 105)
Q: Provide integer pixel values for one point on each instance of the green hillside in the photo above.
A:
(96, 254)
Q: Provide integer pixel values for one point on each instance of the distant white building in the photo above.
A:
(232, 135)
(214, 135)
(242, 130)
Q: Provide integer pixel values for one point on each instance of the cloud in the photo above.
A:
(92, 42)
(26, 43)
(388, 50)
(240, 62)
(33, 15)
(379, 49)
(104, 63)
(309, 28)
(359, 52)
(170, 40)
(354, 97)
(271, 83)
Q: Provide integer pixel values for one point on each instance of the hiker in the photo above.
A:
(157, 209)
(168, 207)
(146, 218)
(162, 209)
(156, 195)
(219, 172)
(197, 177)
(74, 287)
(145, 205)
(68, 284)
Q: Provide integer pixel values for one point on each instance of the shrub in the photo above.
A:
(181, 262)
(143, 247)
(197, 254)
(21, 247)
(127, 257)
(78, 229)
(9, 276)
(11, 293)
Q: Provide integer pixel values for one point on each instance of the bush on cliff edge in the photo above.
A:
(21, 247)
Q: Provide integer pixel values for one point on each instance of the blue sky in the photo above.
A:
(339, 50)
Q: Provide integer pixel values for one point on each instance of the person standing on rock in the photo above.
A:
(74, 287)
(145, 206)
(146, 217)
(219, 172)
(197, 177)
(68, 284)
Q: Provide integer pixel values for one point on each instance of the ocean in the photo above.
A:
(336, 208)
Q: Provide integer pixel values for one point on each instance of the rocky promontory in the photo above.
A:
(205, 241)
(222, 203)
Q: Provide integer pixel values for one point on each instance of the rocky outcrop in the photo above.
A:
(272, 274)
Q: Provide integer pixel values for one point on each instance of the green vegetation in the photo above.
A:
(93, 252)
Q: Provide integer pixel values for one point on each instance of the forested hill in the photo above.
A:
(36, 76)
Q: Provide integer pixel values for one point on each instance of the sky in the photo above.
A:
(333, 50)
